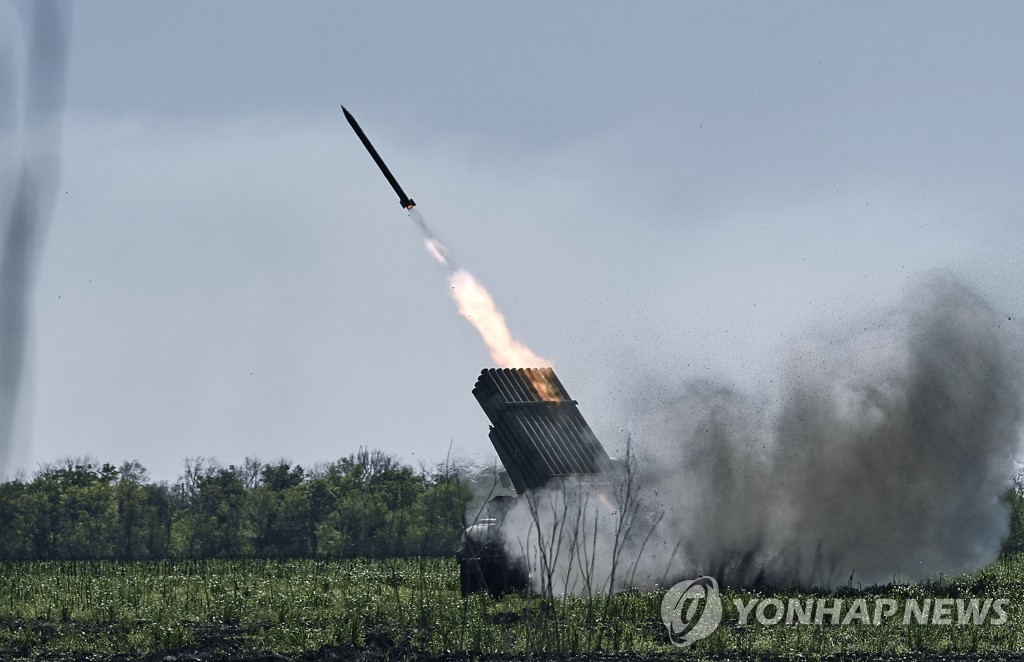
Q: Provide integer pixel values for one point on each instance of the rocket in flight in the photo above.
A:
(403, 199)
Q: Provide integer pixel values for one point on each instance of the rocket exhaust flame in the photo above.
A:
(478, 307)
(437, 251)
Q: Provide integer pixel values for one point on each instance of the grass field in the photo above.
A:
(406, 606)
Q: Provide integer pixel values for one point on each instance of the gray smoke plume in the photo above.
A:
(31, 100)
(879, 453)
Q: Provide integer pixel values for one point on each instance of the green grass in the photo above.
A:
(411, 605)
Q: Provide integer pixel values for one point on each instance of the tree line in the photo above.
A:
(367, 504)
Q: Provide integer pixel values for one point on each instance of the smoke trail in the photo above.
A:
(478, 307)
(30, 123)
(883, 452)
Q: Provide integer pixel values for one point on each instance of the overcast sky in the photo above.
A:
(660, 189)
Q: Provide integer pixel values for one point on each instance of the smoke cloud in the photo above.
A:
(31, 101)
(877, 453)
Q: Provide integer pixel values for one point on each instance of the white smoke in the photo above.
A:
(878, 453)
(31, 104)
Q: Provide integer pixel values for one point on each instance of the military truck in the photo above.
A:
(540, 438)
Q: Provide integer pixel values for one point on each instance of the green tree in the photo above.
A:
(366, 504)
(214, 519)
(282, 513)
(16, 522)
(71, 507)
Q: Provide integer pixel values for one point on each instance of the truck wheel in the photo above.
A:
(469, 578)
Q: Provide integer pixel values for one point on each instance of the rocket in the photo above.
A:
(403, 199)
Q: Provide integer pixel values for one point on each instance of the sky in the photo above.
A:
(652, 194)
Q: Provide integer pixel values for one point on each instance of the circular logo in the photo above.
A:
(691, 610)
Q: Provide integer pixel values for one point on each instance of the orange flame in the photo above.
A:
(477, 305)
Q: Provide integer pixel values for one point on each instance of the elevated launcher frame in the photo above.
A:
(536, 428)
(540, 437)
